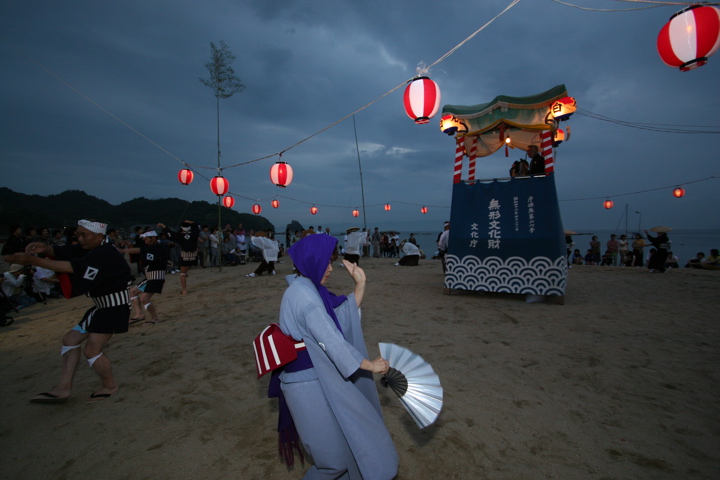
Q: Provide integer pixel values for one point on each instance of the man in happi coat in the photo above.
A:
(187, 238)
(95, 267)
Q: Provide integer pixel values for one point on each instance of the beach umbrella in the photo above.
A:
(661, 229)
(414, 381)
(353, 229)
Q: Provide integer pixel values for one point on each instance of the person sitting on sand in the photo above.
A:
(99, 269)
(672, 261)
(577, 258)
(713, 260)
(697, 261)
(607, 259)
(590, 257)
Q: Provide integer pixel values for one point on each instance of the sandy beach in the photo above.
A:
(621, 382)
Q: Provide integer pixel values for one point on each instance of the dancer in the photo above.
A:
(187, 238)
(155, 256)
(97, 268)
(269, 247)
(329, 389)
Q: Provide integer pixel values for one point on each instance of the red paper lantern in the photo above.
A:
(679, 192)
(608, 204)
(186, 176)
(356, 213)
(281, 174)
(690, 37)
(275, 203)
(313, 209)
(387, 207)
(421, 99)
(256, 209)
(423, 210)
(219, 185)
(228, 201)
(559, 137)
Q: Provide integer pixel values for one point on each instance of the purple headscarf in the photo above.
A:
(311, 256)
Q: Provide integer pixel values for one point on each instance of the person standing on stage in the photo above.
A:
(94, 266)
(155, 257)
(187, 238)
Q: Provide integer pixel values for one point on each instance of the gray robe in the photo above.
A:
(347, 394)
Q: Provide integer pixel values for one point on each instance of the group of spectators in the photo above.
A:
(622, 252)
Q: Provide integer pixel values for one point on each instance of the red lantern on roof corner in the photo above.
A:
(421, 99)
(228, 201)
(186, 176)
(219, 185)
(562, 109)
(387, 207)
(690, 37)
(256, 209)
(313, 209)
(355, 213)
(281, 174)
(275, 203)
(679, 192)
(608, 204)
(423, 210)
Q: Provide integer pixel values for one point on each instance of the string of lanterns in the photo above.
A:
(685, 42)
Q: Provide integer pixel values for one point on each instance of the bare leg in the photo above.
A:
(183, 279)
(138, 313)
(70, 360)
(145, 300)
(93, 348)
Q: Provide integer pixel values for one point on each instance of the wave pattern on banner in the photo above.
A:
(537, 276)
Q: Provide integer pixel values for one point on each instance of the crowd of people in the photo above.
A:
(621, 252)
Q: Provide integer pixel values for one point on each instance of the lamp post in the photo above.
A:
(639, 222)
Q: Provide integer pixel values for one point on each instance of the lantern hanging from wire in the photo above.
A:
(387, 207)
(355, 213)
(186, 176)
(608, 204)
(228, 201)
(281, 174)
(275, 203)
(690, 37)
(256, 208)
(219, 185)
(421, 99)
(423, 210)
(679, 192)
(563, 108)
(313, 209)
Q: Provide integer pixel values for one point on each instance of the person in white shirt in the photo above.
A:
(356, 239)
(411, 254)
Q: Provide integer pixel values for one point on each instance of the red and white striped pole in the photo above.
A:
(459, 154)
(546, 150)
(472, 156)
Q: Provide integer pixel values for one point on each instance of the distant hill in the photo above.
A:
(66, 208)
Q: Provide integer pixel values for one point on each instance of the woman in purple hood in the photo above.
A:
(329, 390)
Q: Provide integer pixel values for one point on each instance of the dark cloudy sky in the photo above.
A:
(104, 97)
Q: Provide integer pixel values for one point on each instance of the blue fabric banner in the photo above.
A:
(507, 236)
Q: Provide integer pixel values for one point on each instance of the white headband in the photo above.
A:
(96, 227)
(149, 233)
